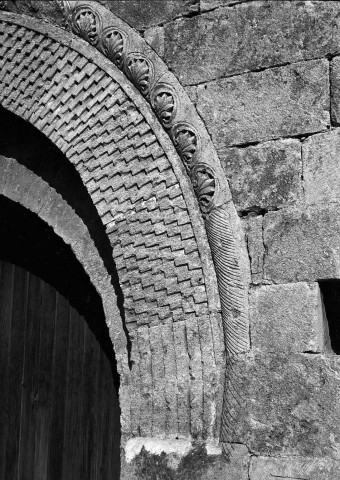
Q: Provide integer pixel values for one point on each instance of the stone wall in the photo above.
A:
(265, 77)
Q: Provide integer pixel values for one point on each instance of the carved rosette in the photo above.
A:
(205, 184)
(164, 102)
(139, 69)
(86, 23)
(112, 44)
(186, 142)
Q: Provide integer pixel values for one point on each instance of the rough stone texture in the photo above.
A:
(321, 167)
(302, 246)
(155, 38)
(250, 36)
(303, 468)
(192, 93)
(198, 463)
(206, 5)
(152, 12)
(284, 101)
(291, 404)
(288, 318)
(265, 175)
(335, 90)
(253, 228)
(44, 9)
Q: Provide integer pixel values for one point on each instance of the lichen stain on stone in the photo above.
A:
(197, 464)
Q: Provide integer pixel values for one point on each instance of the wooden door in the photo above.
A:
(59, 414)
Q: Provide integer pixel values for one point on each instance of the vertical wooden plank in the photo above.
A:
(91, 385)
(111, 437)
(43, 400)
(100, 417)
(6, 292)
(105, 467)
(55, 462)
(15, 369)
(113, 404)
(30, 380)
(73, 444)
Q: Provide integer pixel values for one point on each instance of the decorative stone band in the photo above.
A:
(130, 53)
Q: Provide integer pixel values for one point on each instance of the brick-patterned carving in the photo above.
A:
(137, 190)
(90, 20)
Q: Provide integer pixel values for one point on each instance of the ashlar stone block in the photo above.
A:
(265, 175)
(321, 167)
(290, 405)
(335, 90)
(267, 468)
(259, 106)
(288, 318)
(249, 36)
(302, 245)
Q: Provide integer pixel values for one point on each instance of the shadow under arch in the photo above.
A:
(29, 243)
(23, 142)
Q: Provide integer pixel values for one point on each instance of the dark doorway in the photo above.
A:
(59, 409)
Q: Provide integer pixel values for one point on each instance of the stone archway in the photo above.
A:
(89, 109)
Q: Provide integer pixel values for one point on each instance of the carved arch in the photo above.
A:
(21, 185)
(68, 74)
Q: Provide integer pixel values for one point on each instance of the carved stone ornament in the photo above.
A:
(139, 70)
(186, 142)
(112, 44)
(64, 6)
(164, 102)
(85, 23)
(204, 183)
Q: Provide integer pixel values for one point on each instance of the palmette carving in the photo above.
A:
(204, 183)
(113, 45)
(85, 23)
(164, 103)
(138, 69)
(186, 143)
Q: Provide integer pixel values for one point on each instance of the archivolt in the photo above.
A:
(22, 186)
(87, 108)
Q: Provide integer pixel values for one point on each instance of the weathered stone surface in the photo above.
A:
(335, 90)
(288, 318)
(155, 38)
(302, 246)
(278, 102)
(250, 36)
(321, 167)
(252, 225)
(265, 175)
(206, 5)
(291, 404)
(151, 13)
(44, 9)
(163, 459)
(267, 468)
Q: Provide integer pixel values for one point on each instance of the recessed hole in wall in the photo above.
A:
(330, 291)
